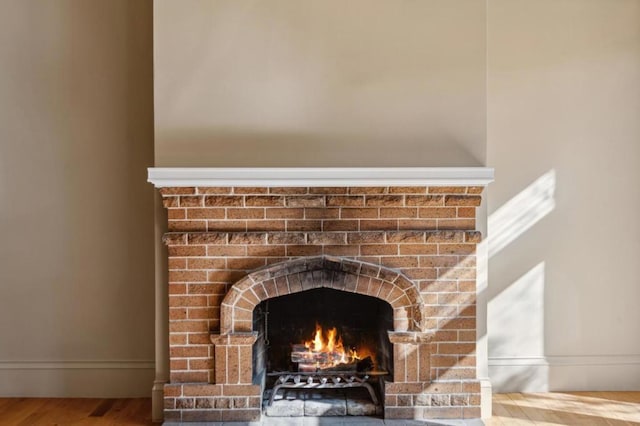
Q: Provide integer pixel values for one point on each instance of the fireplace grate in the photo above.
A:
(326, 380)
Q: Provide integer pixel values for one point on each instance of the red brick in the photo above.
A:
(285, 213)
(191, 201)
(467, 286)
(399, 212)
(467, 212)
(425, 200)
(178, 301)
(170, 202)
(367, 190)
(210, 213)
(177, 190)
(250, 190)
(437, 212)
(177, 288)
(206, 289)
(438, 261)
(188, 326)
(214, 190)
(200, 338)
(300, 250)
(359, 213)
(420, 273)
(189, 351)
(378, 225)
(400, 261)
(184, 276)
(226, 250)
(456, 248)
(241, 390)
(252, 213)
(223, 201)
(327, 238)
(304, 225)
(202, 313)
(328, 190)
(341, 201)
(456, 373)
(264, 201)
(205, 263)
(472, 237)
(459, 324)
(201, 364)
(365, 237)
(342, 250)
(177, 214)
(471, 387)
(172, 390)
(306, 201)
(225, 276)
(202, 390)
(456, 223)
(418, 249)
(313, 213)
(266, 225)
(378, 249)
(385, 200)
(407, 190)
(455, 200)
(406, 237)
(447, 189)
(272, 250)
(188, 377)
(415, 224)
(228, 225)
(340, 225)
(288, 190)
(177, 313)
(187, 225)
(177, 263)
(185, 251)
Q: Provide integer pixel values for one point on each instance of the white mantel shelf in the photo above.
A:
(163, 177)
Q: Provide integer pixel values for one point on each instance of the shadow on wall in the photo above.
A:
(515, 319)
(227, 147)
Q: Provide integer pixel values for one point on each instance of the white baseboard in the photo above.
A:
(77, 379)
(565, 373)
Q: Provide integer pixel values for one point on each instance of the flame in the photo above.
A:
(330, 343)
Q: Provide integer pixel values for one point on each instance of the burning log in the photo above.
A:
(328, 355)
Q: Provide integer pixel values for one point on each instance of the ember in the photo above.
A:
(327, 352)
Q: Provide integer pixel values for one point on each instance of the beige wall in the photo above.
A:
(76, 259)
(319, 83)
(564, 105)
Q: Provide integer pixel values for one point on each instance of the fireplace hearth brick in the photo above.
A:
(231, 248)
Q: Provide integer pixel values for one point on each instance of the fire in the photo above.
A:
(327, 350)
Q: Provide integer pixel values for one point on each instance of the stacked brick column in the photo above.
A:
(230, 248)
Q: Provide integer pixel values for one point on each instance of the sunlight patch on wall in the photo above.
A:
(521, 212)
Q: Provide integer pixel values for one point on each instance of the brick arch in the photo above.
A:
(307, 273)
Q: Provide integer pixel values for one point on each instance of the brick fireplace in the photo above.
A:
(233, 248)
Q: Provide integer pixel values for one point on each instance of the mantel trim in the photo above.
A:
(319, 176)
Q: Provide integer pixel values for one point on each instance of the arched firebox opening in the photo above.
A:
(322, 329)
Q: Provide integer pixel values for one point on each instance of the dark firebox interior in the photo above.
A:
(291, 319)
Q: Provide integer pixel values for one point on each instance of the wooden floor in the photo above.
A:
(566, 408)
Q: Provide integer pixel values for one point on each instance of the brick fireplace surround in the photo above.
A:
(231, 247)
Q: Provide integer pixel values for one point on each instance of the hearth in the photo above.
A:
(333, 300)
